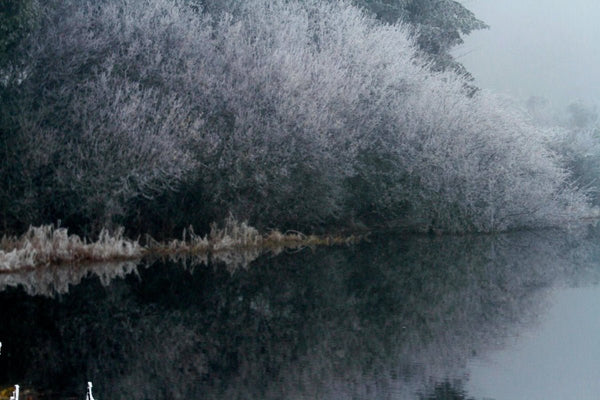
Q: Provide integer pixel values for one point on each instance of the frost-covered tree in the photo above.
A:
(439, 24)
(577, 140)
(17, 18)
(298, 114)
(582, 116)
(574, 134)
(88, 128)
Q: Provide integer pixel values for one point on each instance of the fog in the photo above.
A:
(547, 49)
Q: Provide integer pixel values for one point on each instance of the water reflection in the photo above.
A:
(398, 318)
(56, 280)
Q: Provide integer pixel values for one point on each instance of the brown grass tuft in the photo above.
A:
(48, 245)
(233, 243)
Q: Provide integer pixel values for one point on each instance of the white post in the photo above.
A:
(15, 395)
(88, 395)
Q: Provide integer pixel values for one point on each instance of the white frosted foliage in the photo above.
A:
(281, 112)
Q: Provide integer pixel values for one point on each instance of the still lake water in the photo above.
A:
(514, 316)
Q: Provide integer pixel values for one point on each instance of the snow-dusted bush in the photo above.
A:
(89, 128)
(574, 134)
(289, 113)
(402, 142)
(580, 150)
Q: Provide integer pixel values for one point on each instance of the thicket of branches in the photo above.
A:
(437, 25)
(576, 137)
(296, 114)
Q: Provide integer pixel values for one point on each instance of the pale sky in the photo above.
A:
(548, 48)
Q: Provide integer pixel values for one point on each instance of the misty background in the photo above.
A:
(536, 48)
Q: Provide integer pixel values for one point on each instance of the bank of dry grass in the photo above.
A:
(48, 245)
(230, 243)
(236, 236)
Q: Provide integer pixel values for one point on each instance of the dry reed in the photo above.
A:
(48, 245)
(234, 243)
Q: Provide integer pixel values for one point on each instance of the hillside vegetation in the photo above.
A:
(311, 115)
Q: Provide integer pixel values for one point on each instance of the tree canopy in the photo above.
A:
(439, 24)
(16, 19)
(300, 114)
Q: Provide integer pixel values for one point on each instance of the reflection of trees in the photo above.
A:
(446, 391)
(397, 318)
(56, 280)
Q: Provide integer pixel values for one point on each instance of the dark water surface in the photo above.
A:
(513, 316)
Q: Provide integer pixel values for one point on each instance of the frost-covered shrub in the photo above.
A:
(574, 134)
(285, 113)
(411, 144)
(580, 151)
(91, 126)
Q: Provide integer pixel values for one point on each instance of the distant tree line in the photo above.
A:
(312, 115)
(576, 138)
